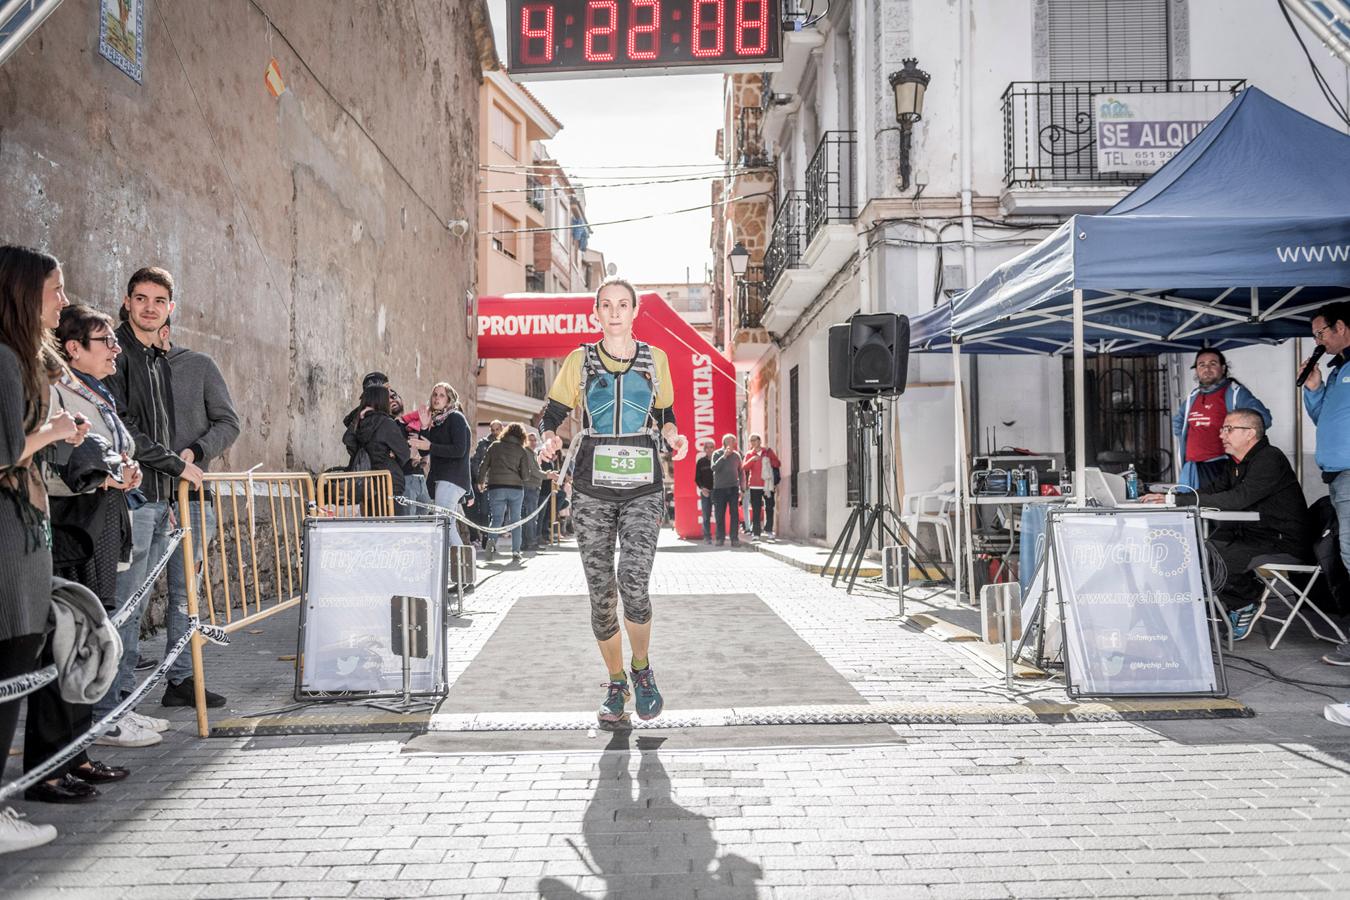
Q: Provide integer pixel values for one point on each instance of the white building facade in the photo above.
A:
(1002, 154)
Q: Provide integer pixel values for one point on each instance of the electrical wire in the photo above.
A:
(1263, 670)
(553, 167)
(673, 212)
(719, 176)
(1322, 84)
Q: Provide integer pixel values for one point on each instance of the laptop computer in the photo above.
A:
(1104, 488)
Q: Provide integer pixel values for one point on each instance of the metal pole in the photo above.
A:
(959, 467)
(1298, 412)
(407, 653)
(1079, 413)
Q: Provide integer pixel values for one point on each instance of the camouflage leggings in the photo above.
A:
(635, 523)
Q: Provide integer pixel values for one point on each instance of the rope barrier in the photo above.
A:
(120, 617)
(29, 779)
(460, 517)
(22, 685)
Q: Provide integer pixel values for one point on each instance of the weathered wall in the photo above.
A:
(306, 232)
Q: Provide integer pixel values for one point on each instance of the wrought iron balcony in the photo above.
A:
(534, 192)
(751, 294)
(535, 384)
(787, 239)
(830, 194)
(534, 280)
(750, 152)
(1050, 128)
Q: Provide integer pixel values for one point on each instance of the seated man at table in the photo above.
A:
(1257, 479)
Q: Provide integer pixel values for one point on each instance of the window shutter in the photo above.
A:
(1108, 39)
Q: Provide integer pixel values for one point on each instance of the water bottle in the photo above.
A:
(1131, 483)
(1020, 482)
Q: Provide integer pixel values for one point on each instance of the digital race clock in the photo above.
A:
(615, 37)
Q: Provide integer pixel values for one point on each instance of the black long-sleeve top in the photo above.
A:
(451, 441)
(1263, 482)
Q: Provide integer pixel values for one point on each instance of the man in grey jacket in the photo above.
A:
(205, 425)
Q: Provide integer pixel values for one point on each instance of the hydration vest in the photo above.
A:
(619, 403)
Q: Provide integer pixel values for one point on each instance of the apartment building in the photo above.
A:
(843, 208)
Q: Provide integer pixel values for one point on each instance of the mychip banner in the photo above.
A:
(1133, 595)
(1141, 132)
(358, 575)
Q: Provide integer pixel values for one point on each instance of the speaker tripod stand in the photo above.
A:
(874, 518)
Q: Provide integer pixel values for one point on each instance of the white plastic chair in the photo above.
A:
(932, 508)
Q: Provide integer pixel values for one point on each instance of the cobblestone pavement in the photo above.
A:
(1204, 808)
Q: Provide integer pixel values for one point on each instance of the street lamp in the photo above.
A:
(909, 85)
(739, 258)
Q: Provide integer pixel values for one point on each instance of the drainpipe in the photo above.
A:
(967, 25)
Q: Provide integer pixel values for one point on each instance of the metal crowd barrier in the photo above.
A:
(352, 494)
(245, 576)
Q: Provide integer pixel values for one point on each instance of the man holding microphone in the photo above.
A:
(1327, 401)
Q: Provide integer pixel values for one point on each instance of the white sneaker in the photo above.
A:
(147, 723)
(16, 834)
(128, 734)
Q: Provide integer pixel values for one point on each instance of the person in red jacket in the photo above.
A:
(758, 469)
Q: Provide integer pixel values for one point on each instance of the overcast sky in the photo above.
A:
(653, 121)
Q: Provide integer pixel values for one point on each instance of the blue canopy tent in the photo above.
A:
(1236, 240)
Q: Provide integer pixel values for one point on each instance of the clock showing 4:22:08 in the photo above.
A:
(548, 37)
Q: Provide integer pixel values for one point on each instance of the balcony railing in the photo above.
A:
(534, 192)
(535, 385)
(750, 296)
(830, 195)
(787, 238)
(750, 150)
(1050, 128)
(534, 280)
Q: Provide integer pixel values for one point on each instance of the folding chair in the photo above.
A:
(1274, 572)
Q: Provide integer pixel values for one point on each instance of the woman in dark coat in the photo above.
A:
(451, 441)
(32, 294)
(374, 430)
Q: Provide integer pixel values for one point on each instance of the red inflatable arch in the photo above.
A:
(524, 326)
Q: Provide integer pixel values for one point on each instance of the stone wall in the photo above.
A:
(306, 232)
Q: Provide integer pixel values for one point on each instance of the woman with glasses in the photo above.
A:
(91, 535)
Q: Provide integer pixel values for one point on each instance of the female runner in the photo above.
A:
(627, 396)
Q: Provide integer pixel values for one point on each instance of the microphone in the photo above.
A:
(1312, 364)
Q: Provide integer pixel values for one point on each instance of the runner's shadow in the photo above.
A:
(649, 843)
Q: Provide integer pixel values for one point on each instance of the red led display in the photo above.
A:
(611, 36)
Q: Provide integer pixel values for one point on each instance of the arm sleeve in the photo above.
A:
(11, 409)
(1178, 419)
(224, 430)
(396, 440)
(149, 452)
(554, 415)
(665, 416)
(1312, 401)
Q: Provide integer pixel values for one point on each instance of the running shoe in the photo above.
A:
(649, 701)
(611, 711)
(16, 834)
(1243, 619)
